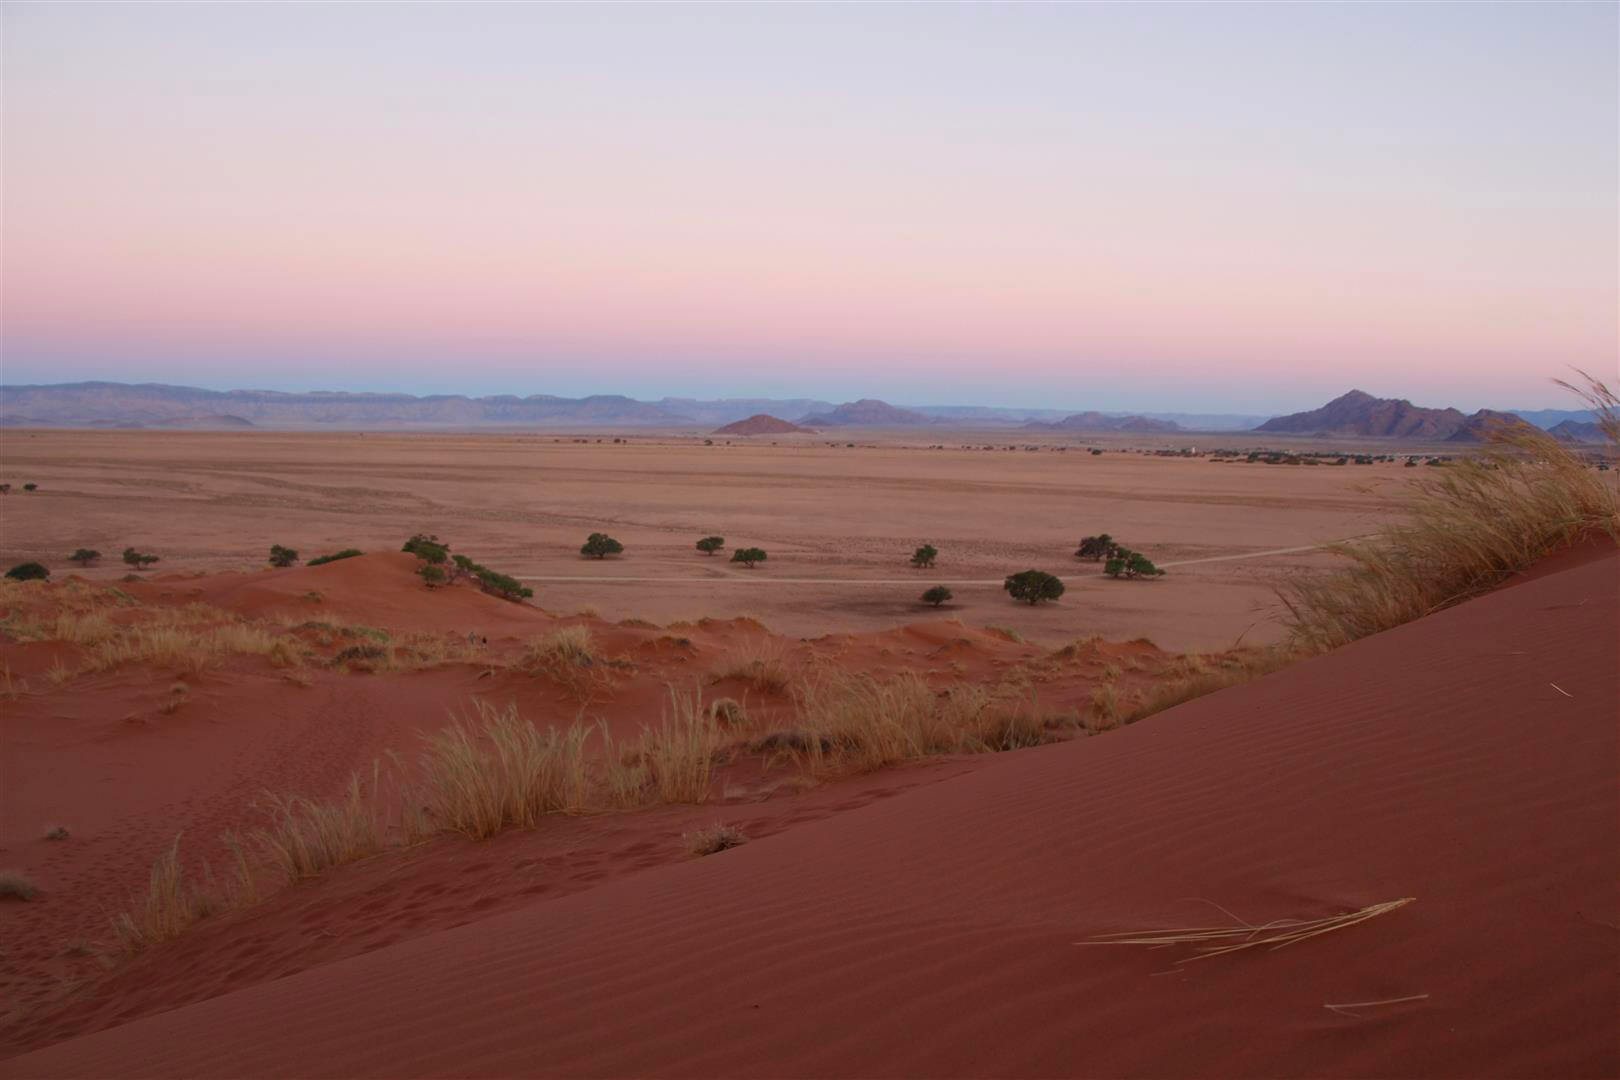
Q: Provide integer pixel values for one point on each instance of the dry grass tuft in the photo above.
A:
(168, 907)
(713, 839)
(1473, 524)
(679, 753)
(729, 711)
(15, 885)
(485, 773)
(1220, 940)
(308, 837)
(57, 832)
(568, 656)
(761, 664)
(1232, 670)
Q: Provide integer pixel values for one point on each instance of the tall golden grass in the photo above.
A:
(485, 773)
(168, 907)
(308, 837)
(1474, 523)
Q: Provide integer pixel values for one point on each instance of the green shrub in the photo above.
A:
(137, 559)
(433, 574)
(346, 553)
(30, 487)
(600, 546)
(282, 556)
(1096, 548)
(711, 544)
(748, 556)
(28, 571)
(1130, 564)
(1033, 586)
(84, 556)
(924, 556)
(429, 548)
(937, 595)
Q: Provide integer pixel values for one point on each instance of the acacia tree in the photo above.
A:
(430, 548)
(600, 546)
(748, 556)
(137, 559)
(1130, 564)
(282, 556)
(937, 595)
(923, 558)
(28, 571)
(1096, 548)
(84, 556)
(1033, 586)
(711, 544)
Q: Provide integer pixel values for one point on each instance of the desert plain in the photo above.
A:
(838, 521)
(233, 790)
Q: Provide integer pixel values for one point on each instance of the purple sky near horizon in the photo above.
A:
(1205, 208)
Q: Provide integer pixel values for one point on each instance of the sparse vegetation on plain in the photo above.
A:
(924, 556)
(29, 571)
(139, 560)
(84, 556)
(936, 595)
(282, 556)
(711, 544)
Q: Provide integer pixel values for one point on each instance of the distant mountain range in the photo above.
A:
(1096, 421)
(126, 405)
(868, 412)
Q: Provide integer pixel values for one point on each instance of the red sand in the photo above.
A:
(1466, 760)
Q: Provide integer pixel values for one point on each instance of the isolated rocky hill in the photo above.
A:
(762, 424)
(1359, 413)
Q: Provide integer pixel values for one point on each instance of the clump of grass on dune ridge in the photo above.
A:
(1478, 521)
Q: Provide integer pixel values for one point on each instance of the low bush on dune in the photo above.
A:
(346, 553)
(17, 886)
(1472, 525)
(427, 548)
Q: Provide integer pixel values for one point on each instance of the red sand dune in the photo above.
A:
(1466, 760)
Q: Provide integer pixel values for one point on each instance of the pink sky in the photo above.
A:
(1091, 206)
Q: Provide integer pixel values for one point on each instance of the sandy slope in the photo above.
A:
(1466, 760)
